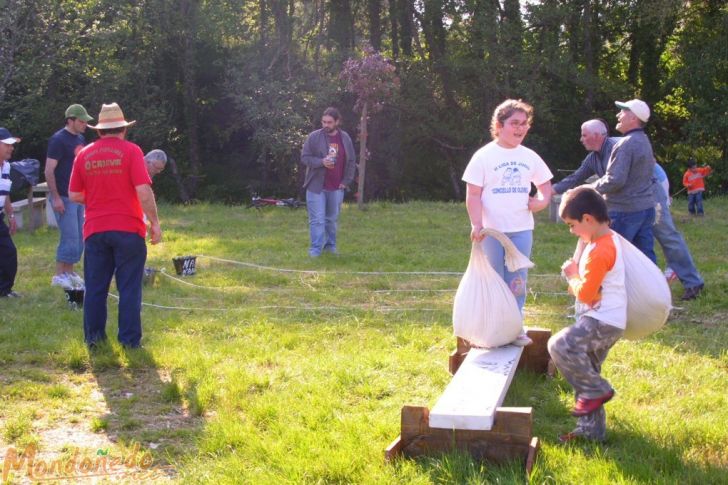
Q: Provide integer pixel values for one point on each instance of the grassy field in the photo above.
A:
(266, 376)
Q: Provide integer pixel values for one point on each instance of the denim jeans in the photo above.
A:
(323, 217)
(496, 257)
(636, 227)
(695, 203)
(8, 259)
(122, 254)
(70, 226)
(677, 254)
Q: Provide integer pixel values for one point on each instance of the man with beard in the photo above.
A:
(330, 161)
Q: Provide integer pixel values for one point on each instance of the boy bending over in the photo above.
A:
(596, 279)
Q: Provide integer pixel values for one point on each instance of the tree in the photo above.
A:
(373, 80)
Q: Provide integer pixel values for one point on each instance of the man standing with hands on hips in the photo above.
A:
(330, 161)
(63, 147)
(110, 177)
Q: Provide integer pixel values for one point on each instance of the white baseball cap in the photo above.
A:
(636, 106)
(7, 138)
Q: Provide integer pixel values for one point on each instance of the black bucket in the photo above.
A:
(74, 297)
(185, 265)
(150, 274)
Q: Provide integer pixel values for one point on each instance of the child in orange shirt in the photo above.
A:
(597, 282)
(693, 181)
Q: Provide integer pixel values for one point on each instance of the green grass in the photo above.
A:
(284, 377)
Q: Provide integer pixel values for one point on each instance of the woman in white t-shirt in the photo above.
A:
(499, 178)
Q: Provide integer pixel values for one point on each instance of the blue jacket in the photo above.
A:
(312, 156)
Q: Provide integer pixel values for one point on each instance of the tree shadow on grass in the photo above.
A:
(145, 406)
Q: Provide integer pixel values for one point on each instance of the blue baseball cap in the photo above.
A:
(7, 138)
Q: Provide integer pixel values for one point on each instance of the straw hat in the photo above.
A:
(111, 117)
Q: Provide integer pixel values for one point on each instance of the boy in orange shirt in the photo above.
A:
(693, 181)
(596, 279)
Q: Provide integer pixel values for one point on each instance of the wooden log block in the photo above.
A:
(531, 458)
(458, 355)
(535, 357)
(394, 449)
(476, 390)
(509, 439)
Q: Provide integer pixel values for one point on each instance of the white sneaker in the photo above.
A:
(62, 280)
(522, 340)
(76, 280)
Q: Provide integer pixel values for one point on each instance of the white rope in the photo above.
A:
(535, 294)
(290, 307)
(370, 273)
(308, 271)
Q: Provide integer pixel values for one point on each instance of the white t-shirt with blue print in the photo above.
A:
(506, 175)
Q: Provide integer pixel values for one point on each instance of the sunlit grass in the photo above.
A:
(299, 377)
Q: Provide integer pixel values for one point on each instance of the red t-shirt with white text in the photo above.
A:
(107, 172)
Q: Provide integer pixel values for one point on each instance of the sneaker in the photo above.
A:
(522, 340)
(63, 281)
(586, 406)
(11, 294)
(692, 293)
(76, 280)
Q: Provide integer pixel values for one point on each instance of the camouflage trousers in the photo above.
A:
(578, 352)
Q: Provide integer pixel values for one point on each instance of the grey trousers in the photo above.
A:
(578, 352)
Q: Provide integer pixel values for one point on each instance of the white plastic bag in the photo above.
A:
(649, 300)
(485, 312)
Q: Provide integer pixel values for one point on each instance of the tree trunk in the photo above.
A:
(362, 156)
(394, 32)
(181, 189)
(374, 10)
(189, 11)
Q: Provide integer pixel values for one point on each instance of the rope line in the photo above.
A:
(369, 273)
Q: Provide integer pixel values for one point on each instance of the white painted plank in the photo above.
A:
(477, 389)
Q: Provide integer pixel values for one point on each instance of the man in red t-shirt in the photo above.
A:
(110, 177)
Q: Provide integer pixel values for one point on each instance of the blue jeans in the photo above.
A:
(109, 253)
(636, 227)
(695, 203)
(70, 225)
(8, 259)
(677, 255)
(323, 217)
(496, 257)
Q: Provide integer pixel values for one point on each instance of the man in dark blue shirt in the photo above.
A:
(62, 149)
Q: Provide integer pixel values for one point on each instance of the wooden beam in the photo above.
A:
(476, 390)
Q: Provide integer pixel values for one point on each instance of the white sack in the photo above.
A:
(649, 300)
(485, 312)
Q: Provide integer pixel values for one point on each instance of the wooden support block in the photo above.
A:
(458, 355)
(535, 357)
(394, 449)
(510, 438)
(476, 390)
(531, 458)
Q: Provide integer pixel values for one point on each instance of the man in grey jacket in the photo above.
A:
(330, 161)
(627, 183)
(595, 138)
